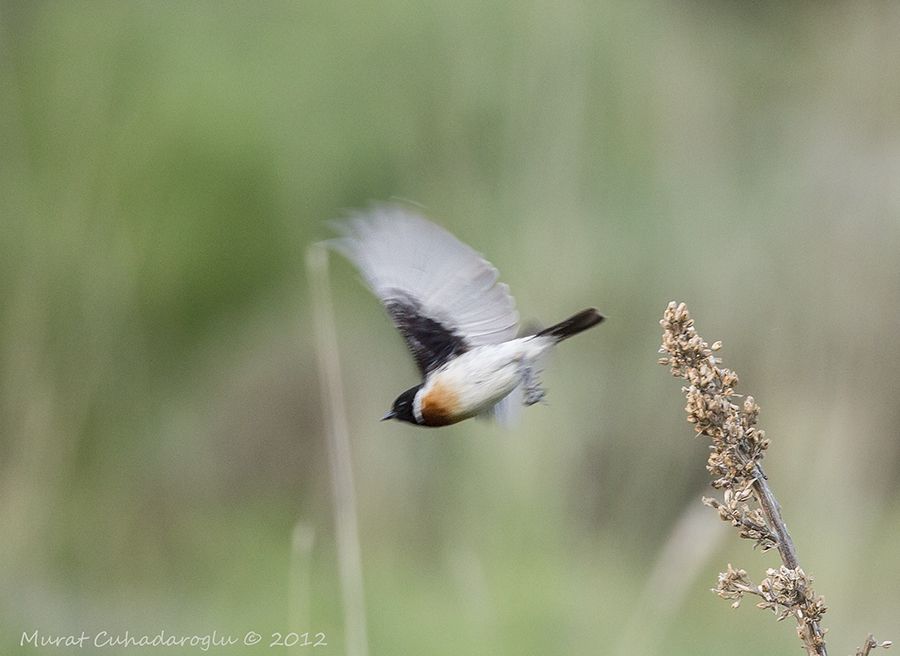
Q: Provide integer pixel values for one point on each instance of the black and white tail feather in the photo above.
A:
(575, 324)
(508, 411)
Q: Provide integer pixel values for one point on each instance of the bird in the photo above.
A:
(459, 322)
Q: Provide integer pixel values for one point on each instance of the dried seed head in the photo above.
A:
(737, 447)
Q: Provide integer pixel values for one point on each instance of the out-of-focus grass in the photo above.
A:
(162, 168)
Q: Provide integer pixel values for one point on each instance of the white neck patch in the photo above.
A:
(417, 406)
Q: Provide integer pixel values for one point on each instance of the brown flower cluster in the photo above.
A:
(737, 445)
(750, 522)
(737, 448)
(783, 591)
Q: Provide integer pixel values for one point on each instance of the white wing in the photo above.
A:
(443, 295)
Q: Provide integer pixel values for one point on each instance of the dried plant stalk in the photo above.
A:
(736, 451)
(871, 644)
(339, 456)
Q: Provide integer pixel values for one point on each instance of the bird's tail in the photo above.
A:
(573, 325)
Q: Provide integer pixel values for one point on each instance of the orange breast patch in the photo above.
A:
(440, 406)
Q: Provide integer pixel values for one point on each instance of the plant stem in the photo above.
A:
(769, 505)
(339, 455)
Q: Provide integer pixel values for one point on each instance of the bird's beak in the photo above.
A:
(390, 415)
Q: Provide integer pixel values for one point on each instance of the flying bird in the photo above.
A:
(459, 322)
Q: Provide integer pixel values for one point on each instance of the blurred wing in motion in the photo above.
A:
(441, 294)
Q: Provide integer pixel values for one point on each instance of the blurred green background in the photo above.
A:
(162, 450)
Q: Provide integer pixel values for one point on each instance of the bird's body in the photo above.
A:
(477, 380)
(459, 323)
